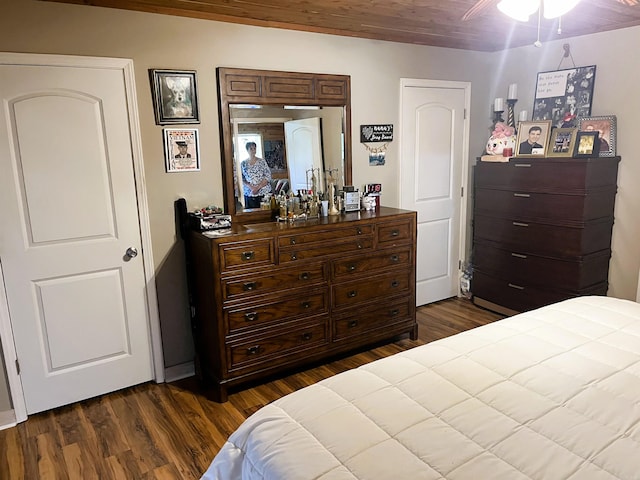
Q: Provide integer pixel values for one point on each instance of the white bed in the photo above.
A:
(549, 394)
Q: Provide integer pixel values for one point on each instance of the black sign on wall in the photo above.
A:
(376, 133)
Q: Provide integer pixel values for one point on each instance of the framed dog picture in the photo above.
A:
(175, 96)
(181, 150)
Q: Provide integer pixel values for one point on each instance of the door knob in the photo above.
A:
(132, 252)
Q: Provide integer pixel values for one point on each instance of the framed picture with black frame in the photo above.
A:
(607, 130)
(562, 142)
(587, 144)
(175, 96)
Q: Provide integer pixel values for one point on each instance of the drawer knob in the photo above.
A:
(294, 256)
(394, 312)
(304, 276)
(352, 293)
(395, 283)
(249, 286)
(251, 316)
(395, 233)
(520, 224)
(306, 304)
(360, 246)
(253, 350)
(248, 255)
(359, 231)
(351, 268)
(352, 323)
(306, 336)
(395, 258)
(292, 241)
(518, 255)
(517, 287)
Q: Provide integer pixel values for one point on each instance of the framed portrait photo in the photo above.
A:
(175, 96)
(587, 144)
(562, 142)
(606, 128)
(533, 138)
(181, 150)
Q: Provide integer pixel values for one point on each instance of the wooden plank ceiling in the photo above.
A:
(423, 22)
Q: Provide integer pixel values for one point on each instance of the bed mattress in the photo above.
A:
(553, 393)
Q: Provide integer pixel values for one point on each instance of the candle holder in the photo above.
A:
(511, 121)
(497, 116)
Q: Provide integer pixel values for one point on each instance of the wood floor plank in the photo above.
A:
(172, 431)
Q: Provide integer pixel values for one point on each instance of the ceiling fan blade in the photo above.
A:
(478, 7)
(629, 3)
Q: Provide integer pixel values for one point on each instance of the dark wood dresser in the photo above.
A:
(542, 230)
(272, 296)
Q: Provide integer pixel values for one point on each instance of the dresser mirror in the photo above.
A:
(300, 123)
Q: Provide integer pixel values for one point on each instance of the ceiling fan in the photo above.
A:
(533, 5)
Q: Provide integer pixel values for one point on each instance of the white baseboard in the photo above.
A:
(178, 372)
(7, 419)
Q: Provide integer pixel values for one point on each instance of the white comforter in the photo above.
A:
(549, 394)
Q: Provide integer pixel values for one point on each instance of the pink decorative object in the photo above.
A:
(503, 136)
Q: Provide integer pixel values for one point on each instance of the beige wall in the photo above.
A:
(158, 41)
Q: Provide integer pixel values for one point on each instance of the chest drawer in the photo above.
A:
(364, 320)
(523, 204)
(246, 254)
(395, 233)
(324, 236)
(305, 252)
(373, 262)
(276, 280)
(379, 288)
(298, 303)
(567, 274)
(252, 354)
(544, 239)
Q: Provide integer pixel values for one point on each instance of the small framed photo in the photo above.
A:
(533, 138)
(606, 128)
(587, 144)
(181, 150)
(562, 142)
(175, 96)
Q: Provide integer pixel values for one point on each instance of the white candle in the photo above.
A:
(523, 116)
(498, 105)
(513, 91)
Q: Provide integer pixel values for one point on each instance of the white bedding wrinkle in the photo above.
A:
(549, 394)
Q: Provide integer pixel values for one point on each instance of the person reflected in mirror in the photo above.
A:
(527, 147)
(256, 177)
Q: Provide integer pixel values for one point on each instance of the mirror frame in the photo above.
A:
(270, 87)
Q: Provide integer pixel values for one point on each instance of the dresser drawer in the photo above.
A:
(380, 288)
(523, 204)
(573, 274)
(548, 175)
(277, 280)
(544, 239)
(364, 320)
(372, 262)
(306, 252)
(324, 236)
(246, 254)
(395, 233)
(522, 296)
(298, 303)
(275, 349)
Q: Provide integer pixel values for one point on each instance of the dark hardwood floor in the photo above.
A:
(170, 431)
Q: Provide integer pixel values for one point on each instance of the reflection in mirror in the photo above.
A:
(295, 147)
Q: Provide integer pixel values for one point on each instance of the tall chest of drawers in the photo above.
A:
(273, 296)
(542, 230)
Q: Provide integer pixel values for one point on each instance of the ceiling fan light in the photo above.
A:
(519, 9)
(557, 8)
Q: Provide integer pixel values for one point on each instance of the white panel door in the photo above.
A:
(304, 151)
(69, 215)
(433, 149)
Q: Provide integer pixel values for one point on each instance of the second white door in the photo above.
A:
(434, 139)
